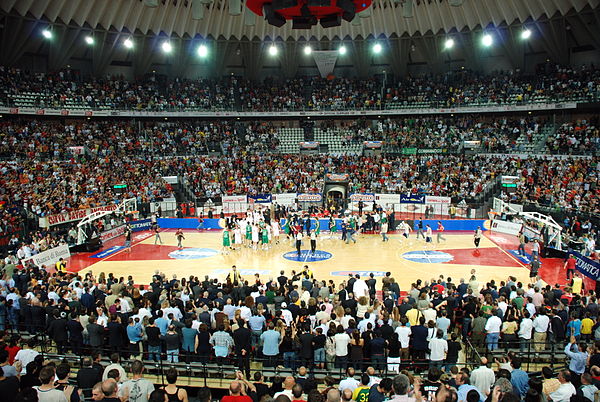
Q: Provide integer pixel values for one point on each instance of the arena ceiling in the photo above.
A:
(385, 17)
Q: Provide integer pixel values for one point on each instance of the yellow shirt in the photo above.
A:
(361, 394)
(413, 316)
(577, 283)
(586, 326)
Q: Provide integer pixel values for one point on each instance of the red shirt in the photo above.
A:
(238, 398)
(571, 263)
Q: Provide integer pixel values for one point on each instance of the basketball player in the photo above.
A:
(127, 244)
(226, 241)
(477, 236)
(332, 227)
(420, 228)
(298, 242)
(428, 235)
(157, 234)
(275, 230)
(384, 227)
(255, 236)
(179, 237)
(313, 241)
(440, 230)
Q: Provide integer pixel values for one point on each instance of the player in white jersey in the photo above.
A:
(275, 230)
(255, 236)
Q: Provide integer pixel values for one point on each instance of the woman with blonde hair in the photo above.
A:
(361, 308)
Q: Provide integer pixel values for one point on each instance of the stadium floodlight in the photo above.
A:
(166, 47)
(449, 43)
(307, 50)
(525, 34)
(487, 40)
(273, 50)
(377, 48)
(89, 40)
(47, 34)
(202, 51)
(342, 50)
(128, 43)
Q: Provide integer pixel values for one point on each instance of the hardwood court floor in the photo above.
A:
(407, 260)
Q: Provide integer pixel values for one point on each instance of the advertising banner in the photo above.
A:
(138, 226)
(432, 199)
(50, 257)
(412, 199)
(337, 177)
(506, 227)
(309, 145)
(387, 199)
(325, 60)
(76, 150)
(364, 197)
(373, 144)
(409, 151)
(285, 198)
(260, 198)
(586, 266)
(72, 216)
(233, 198)
(310, 197)
(112, 233)
(412, 208)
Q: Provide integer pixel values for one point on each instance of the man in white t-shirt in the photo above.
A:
(492, 327)
(26, 355)
(349, 382)
(46, 392)
(137, 389)
(360, 288)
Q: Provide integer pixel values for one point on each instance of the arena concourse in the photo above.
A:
(299, 201)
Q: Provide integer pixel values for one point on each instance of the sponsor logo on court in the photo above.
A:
(193, 253)
(361, 273)
(307, 256)
(428, 256)
(107, 252)
(142, 236)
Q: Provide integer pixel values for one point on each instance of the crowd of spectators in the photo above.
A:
(157, 93)
(304, 324)
(580, 137)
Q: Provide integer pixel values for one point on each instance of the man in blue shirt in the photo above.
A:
(134, 333)
(270, 340)
(162, 323)
(257, 325)
(463, 383)
(519, 378)
(579, 356)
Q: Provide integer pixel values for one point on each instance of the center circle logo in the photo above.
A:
(193, 253)
(427, 256)
(307, 256)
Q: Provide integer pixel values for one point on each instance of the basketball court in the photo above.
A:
(407, 260)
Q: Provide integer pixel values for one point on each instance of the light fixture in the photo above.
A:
(202, 51)
(47, 34)
(128, 43)
(487, 40)
(166, 47)
(89, 40)
(273, 50)
(377, 48)
(307, 50)
(525, 34)
(449, 44)
(342, 50)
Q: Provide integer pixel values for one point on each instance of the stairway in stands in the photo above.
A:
(538, 140)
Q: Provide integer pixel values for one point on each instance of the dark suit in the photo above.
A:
(96, 334)
(87, 377)
(418, 339)
(58, 331)
(241, 338)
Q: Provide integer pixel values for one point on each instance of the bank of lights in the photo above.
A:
(166, 47)
(273, 50)
(202, 51)
(47, 34)
(377, 48)
(342, 50)
(89, 40)
(525, 34)
(449, 44)
(128, 43)
(307, 50)
(487, 40)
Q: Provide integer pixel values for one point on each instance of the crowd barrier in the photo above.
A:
(192, 223)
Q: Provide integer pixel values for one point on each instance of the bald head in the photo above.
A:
(289, 382)
(333, 395)
(484, 361)
(235, 388)
(109, 388)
